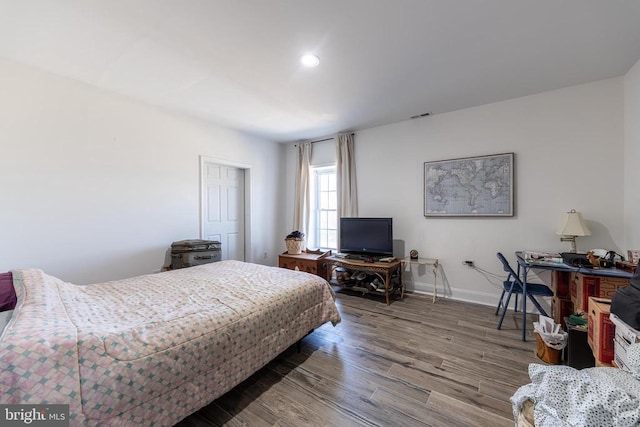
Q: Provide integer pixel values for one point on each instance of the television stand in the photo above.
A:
(364, 258)
(387, 276)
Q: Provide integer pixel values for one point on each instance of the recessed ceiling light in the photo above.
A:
(309, 60)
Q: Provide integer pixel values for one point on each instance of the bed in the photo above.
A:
(153, 349)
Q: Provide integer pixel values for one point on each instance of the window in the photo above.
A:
(323, 221)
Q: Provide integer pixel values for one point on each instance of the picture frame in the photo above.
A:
(480, 186)
(633, 256)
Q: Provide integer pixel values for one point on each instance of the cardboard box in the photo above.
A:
(561, 283)
(625, 335)
(561, 308)
(620, 355)
(601, 330)
(584, 286)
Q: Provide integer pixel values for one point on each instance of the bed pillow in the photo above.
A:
(7, 292)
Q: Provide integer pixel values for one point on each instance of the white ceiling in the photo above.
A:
(235, 62)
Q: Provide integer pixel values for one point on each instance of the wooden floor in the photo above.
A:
(412, 363)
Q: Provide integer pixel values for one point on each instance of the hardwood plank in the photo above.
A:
(448, 412)
(499, 391)
(289, 406)
(412, 408)
(378, 378)
(482, 370)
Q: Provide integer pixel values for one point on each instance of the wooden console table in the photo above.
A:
(433, 262)
(382, 270)
(314, 262)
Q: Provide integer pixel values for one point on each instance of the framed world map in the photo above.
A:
(471, 186)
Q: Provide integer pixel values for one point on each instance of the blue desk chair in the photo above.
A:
(513, 285)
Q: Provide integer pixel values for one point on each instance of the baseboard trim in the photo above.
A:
(466, 295)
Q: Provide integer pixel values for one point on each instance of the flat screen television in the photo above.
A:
(366, 236)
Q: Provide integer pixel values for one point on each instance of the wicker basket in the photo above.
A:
(546, 353)
(294, 246)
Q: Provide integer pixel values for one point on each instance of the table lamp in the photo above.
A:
(571, 227)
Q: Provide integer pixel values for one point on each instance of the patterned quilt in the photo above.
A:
(152, 349)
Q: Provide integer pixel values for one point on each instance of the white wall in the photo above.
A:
(569, 150)
(632, 157)
(95, 186)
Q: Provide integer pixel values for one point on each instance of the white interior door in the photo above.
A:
(224, 208)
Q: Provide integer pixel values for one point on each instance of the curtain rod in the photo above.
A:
(322, 140)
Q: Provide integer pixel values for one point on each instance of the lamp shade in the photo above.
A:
(573, 225)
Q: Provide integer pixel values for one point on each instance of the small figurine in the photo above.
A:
(594, 260)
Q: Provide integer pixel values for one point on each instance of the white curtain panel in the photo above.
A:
(303, 201)
(346, 176)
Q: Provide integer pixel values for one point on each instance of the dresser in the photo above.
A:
(311, 262)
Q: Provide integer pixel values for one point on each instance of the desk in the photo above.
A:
(526, 266)
(382, 270)
(426, 261)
